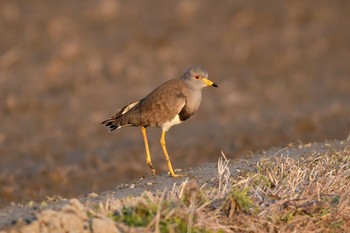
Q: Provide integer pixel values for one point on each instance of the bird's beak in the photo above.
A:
(209, 83)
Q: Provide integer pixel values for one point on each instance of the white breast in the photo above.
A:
(167, 125)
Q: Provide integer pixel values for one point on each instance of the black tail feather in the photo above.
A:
(110, 124)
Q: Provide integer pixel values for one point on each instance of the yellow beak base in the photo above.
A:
(209, 83)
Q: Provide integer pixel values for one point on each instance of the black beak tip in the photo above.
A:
(214, 85)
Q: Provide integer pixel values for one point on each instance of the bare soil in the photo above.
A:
(282, 70)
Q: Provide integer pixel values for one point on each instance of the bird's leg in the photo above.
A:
(148, 154)
(167, 159)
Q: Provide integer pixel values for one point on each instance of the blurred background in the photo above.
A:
(282, 68)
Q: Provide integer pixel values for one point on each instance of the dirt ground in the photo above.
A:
(282, 70)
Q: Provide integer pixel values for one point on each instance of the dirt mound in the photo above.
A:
(119, 209)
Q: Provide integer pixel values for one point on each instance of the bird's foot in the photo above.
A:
(154, 172)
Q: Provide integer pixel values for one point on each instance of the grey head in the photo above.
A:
(197, 78)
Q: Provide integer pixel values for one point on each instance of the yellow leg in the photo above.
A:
(167, 159)
(148, 155)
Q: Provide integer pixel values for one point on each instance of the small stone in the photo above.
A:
(92, 194)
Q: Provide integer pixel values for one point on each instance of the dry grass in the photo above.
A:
(309, 195)
(281, 195)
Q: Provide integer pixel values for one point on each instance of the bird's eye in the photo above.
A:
(197, 77)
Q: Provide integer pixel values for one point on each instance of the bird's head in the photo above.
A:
(197, 78)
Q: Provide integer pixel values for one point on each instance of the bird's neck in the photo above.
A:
(193, 99)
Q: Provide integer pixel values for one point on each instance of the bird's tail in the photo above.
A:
(116, 121)
(111, 124)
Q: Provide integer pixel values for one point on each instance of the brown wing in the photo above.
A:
(163, 104)
(160, 106)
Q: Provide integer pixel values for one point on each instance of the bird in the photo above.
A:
(169, 104)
